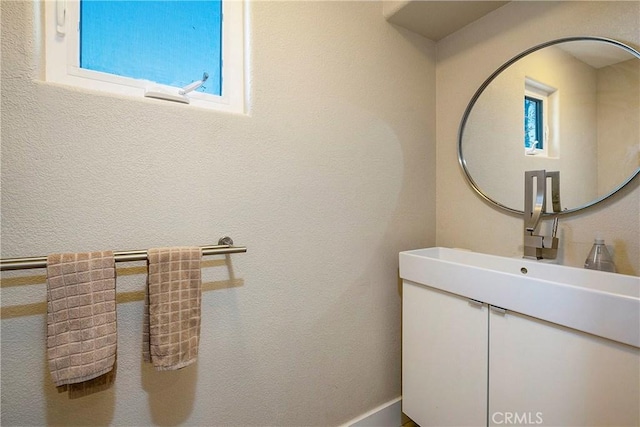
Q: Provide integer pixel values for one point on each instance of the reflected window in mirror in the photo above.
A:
(538, 117)
(533, 124)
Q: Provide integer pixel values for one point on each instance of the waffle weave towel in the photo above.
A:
(81, 316)
(171, 332)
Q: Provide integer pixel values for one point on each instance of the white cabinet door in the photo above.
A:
(444, 358)
(542, 373)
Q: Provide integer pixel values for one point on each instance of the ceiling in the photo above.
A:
(437, 19)
(596, 54)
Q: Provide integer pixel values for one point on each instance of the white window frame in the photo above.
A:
(62, 18)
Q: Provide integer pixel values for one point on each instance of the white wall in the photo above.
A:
(465, 59)
(618, 87)
(328, 178)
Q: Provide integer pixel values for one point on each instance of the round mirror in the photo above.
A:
(570, 105)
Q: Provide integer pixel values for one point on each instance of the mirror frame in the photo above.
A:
(486, 83)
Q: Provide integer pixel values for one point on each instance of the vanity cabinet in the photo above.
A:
(552, 375)
(472, 364)
(444, 358)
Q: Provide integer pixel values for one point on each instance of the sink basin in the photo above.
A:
(596, 302)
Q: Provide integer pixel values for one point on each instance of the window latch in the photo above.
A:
(169, 93)
(61, 12)
(193, 86)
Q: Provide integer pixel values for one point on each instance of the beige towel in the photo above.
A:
(81, 316)
(171, 331)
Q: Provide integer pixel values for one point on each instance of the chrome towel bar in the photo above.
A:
(224, 246)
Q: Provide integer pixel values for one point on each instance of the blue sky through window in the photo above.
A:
(171, 42)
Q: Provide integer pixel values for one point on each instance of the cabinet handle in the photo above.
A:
(475, 302)
(498, 310)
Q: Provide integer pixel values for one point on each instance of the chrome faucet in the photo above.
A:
(537, 246)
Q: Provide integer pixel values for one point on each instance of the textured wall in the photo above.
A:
(618, 87)
(465, 60)
(328, 178)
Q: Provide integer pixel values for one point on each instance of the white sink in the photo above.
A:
(599, 303)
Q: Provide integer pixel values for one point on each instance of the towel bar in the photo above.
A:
(224, 246)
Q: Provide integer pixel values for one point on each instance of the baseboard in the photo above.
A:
(386, 415)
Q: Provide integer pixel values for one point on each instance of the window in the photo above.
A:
(185, 51)
(533, 123)
(134, 39)
(540, 124)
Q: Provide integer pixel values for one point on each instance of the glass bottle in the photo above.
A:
(599, 258)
